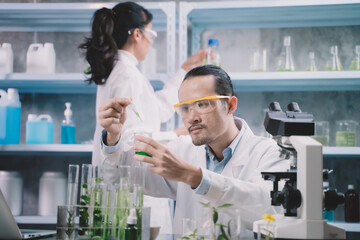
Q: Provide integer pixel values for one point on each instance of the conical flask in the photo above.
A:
(312, 65)
(334, 63)
(355, 63)
(285, 60)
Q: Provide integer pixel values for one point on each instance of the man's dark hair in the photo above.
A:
(223, 85)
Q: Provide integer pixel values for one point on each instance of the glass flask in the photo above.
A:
(346, 133)
(355, 63)
(312, 64)
(285, 60)
(334, 63)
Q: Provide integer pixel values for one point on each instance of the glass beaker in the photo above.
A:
(145, 134)
(346, 133)
(322, 131)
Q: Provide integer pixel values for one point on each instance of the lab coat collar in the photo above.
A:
(126, 56)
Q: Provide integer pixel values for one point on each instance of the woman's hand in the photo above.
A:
(112, 116)
(165, 163)
(195, 60)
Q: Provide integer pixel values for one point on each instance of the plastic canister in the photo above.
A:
(52, 192)
(40, 58)
(6, 58)
(3, 104)
(11, 185)
(39, 129)
(13, 117)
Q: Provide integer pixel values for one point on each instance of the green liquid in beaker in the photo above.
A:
(323, 139)
(345, 139)
(143, 153)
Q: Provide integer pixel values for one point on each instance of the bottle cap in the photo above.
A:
(213, 41)
(326, 185)
(351, 187)
(32, 117)
(132, 219)
(68, 112)
(13, 94)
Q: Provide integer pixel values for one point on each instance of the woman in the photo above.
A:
(120, 38)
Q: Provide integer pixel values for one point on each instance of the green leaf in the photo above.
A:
(215, 216)
(229, 231)
(84, 185)
(223, 233)
(205, 204)
(225, 205)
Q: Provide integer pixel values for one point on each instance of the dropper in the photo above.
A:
(133, 108)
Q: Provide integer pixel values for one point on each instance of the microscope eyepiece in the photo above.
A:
(275, 107)
(294, 107)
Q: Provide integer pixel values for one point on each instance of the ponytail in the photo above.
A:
(109, 33)
(101, 49)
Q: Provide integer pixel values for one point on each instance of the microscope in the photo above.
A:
(302, 196)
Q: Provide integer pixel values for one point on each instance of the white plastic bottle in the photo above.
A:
(67, 127)
(40, 58)
(6, 58)
(213, 54)
(13, 117)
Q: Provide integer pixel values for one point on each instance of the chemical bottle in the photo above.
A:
(67, 127)
(351, 206)
(3, 105)
(213, 54)
(40, 58)
(334, 63)
(312, 65)
(39, 129)
(355, 63)
(285, 60)
(13, 117)
(327, 215)
(6, 58)
(131, 229)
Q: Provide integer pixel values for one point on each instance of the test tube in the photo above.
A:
(73, 180)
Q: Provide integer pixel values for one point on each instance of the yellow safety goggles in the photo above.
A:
(200, 105)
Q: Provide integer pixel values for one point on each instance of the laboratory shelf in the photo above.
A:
(76, 17)
(261, 14)
(296, 81)
(341, 152)
(60, 83)
(47, 149)
(349, 227)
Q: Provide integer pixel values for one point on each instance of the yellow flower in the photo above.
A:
(268, 217)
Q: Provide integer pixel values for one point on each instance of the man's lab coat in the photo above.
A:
(239, 184)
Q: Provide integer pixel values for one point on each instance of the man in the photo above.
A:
(219, 163)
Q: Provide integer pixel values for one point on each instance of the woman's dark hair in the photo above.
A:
(223, 85)
(109, 33)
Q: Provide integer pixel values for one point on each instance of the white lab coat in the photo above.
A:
(240, 183)
(154, 108)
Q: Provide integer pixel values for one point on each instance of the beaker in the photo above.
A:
(258, 61)
(73, 181)
(355, 63)
(145, 134)
(322, 131)
(346, 133)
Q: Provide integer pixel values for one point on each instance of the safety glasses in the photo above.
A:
(149, 32)
(200, 105)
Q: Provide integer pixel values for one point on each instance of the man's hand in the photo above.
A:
(195, 60)
(167, 164)
(112, 116)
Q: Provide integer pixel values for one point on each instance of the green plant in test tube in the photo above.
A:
(106, 221)
(85, 198)
(97, 214)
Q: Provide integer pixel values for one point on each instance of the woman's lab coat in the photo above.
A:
(154, 108)
(240, 183)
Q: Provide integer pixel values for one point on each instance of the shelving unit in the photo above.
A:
(59, 82)
(76, 17)
(261, 14)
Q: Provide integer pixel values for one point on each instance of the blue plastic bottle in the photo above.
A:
(327, 215)
(13, 117)
(68, 127)
(3, 106)
(39, 130)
